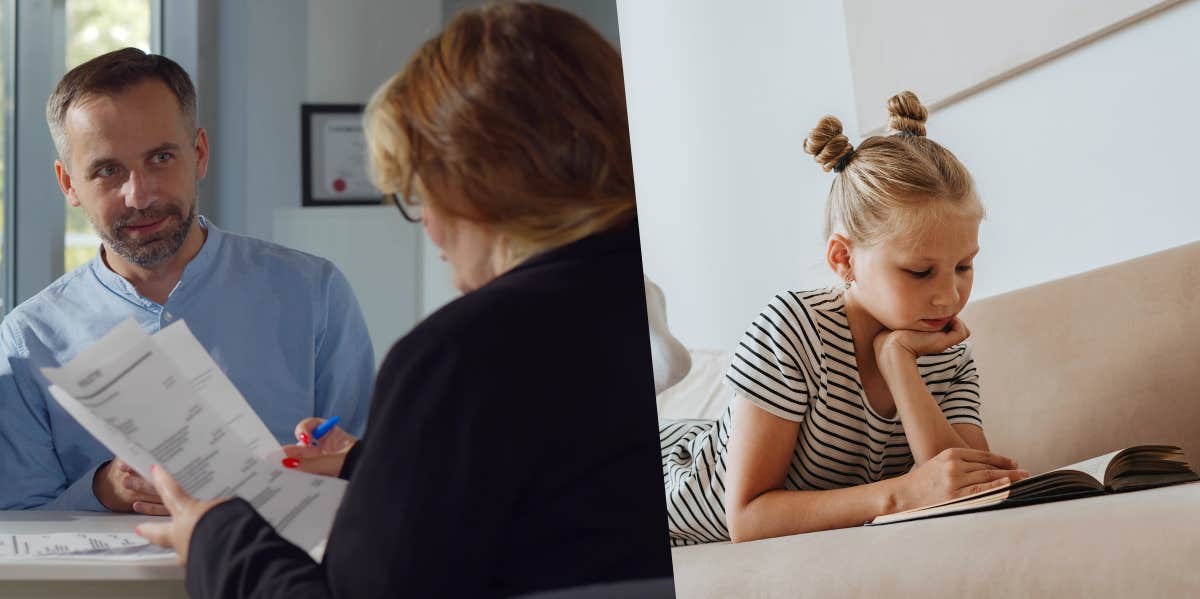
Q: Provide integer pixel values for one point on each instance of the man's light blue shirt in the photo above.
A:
(283, 325)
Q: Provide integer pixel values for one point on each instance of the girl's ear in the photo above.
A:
(837, 254)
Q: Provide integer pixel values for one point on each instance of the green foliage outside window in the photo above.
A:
(93, 28)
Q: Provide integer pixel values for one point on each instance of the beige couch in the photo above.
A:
(1070, 369)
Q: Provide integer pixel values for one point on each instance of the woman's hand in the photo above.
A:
(910, 344)
(954, 473)
(185, 511)
(328, 456)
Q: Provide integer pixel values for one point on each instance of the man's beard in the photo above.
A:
(149, 252)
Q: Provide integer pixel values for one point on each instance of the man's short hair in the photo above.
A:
(113, 73)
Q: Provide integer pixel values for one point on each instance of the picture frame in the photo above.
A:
(333, 154)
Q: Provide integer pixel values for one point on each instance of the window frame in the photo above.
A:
(7, 270)
(35, 213)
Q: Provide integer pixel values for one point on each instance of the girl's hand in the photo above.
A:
(913, 344)
(185, 511)
(328, 456)
(954, 473)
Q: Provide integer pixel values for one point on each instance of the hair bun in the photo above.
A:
(827, 144)
(906, 114)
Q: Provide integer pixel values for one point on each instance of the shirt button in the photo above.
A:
(167, 316)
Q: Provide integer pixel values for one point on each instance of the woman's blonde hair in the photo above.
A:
(890, 185)
(514, 116)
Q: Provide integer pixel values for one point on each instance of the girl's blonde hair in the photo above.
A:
(513, 116)
(893, 185)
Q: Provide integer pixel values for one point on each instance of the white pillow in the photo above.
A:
(670, 358)
(701, 394)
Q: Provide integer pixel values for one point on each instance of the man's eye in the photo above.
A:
(106, 171)
(965, 268)
(162, 157)
(920, 274)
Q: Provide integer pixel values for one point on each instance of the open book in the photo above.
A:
(1138, 467)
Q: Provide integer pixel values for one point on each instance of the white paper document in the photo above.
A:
(162, 400)
(125, 546)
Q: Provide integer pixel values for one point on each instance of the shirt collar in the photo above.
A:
(200, 264)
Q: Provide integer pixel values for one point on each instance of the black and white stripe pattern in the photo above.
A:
(796, 361)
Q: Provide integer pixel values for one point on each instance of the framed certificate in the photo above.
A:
(334, 156)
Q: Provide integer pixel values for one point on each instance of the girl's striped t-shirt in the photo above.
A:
(796, 361)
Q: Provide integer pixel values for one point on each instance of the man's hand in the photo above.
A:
(120, 489)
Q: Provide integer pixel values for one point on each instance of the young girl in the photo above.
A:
(858, 400)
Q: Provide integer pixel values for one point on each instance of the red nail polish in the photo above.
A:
(290, 462)
(304, 438)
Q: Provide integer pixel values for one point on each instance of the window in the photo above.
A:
(93, 28)
(39, 40)
(5, 111)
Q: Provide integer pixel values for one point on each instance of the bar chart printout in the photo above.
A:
(121, 546)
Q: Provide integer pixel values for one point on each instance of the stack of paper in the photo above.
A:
(162, 400)
(80, 545)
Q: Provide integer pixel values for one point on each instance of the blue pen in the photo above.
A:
(324, 428)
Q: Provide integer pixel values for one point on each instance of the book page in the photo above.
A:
(1043, 484)
(1094, 467)
(967, 502)
(143, 407)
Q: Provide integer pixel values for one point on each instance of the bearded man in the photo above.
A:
(284, 326)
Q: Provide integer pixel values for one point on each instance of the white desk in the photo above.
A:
(90, 579)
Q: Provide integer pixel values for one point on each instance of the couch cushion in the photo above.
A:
(1081, 366)
(1140, 544)
(702, 393)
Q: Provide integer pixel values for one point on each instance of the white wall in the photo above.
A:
(376, 249)
(269, 56)
(720, 98)
(1087, 160)
(272, 56)
(901, 45)
(1084, 161)
(355, 45)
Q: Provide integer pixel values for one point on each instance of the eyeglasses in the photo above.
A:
(409, 205)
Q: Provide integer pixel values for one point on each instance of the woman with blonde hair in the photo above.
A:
(480, 473)
(857, 400)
